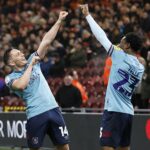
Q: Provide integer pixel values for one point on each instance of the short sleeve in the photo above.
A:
(31, 56)
(9, 81)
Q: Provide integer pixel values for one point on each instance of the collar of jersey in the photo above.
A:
(17, 71)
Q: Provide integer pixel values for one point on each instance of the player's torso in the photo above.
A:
(33, 84)
(124, 76)
(37, 95)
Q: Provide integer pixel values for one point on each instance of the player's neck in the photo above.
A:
(131, 52)
(16, 68)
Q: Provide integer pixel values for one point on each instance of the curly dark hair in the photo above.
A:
(134, 40)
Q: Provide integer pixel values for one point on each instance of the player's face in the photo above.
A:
(124, 45)
(17, 58)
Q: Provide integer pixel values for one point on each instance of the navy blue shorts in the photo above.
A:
(115, 129)
(50, 122)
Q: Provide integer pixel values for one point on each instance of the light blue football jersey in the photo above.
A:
(37, 95)
(125, 74)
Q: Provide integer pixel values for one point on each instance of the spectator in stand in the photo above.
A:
(46, 65)
(4, 91)
(58, 68)
(107, 68)
(2, 85)
(146, 84)
(25, 21)
(67, 95)
(77, 56)
(78, 85)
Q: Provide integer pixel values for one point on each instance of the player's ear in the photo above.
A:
(11, 63)
(127, 45)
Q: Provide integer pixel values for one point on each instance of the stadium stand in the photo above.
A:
(23, 23)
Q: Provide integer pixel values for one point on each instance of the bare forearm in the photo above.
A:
(51, 34)
(48, 38)
(22, 82)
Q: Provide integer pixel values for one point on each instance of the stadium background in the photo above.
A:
(23, 23)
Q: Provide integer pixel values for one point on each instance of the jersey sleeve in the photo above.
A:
(31, 56)
(10, 79)
(116, 54)
(99, 33)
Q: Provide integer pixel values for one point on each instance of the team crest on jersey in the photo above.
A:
(35, 140)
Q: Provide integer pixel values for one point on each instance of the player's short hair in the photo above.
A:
(134, 40)
(7, 56)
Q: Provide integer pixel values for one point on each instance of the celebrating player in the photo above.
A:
(27, 81)
(126, 72)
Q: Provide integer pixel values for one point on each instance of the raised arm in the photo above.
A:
(50, 35)
(96, 29)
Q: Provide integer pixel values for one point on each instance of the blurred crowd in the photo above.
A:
(24, 22)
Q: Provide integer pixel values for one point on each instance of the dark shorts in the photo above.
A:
(115, 129)
(50, 122)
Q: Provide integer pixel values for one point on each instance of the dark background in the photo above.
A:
(83, 130)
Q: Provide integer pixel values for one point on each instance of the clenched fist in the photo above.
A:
(62, 15)
(85, 9)
(35, 60)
